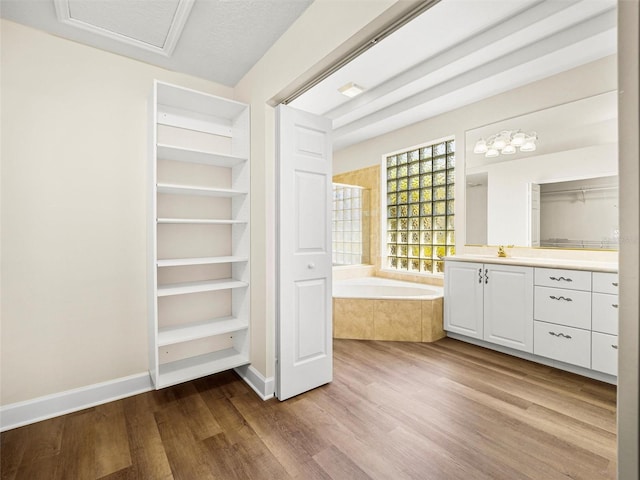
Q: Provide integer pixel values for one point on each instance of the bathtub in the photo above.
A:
(374, 308)
(383, 288)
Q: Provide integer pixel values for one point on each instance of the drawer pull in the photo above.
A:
(614, 346)
(615, 284)
(559, 335)
(561, 279)
(566, 299)
(614, 305)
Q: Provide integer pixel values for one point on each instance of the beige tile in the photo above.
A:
(432, 326)
(399, 320)
(353, 318)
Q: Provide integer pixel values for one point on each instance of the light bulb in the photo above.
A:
(518, 139)
(481, 146)
(499, 143)
(509, 149)
(492, 152)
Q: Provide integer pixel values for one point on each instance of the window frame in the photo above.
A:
(384, 232)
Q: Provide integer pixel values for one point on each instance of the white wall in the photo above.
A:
(74, 156)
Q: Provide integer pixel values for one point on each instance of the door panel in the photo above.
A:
(508, 306)
(304, 318)
(463, 298)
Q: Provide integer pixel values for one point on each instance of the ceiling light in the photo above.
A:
(351, 90)
(506, 142)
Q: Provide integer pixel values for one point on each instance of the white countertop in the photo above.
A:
(611, 267)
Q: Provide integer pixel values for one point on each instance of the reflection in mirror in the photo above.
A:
(351, 224)
(513, 197)
(580, 214)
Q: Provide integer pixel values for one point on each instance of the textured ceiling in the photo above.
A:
(221, 40)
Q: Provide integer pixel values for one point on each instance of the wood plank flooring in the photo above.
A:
(395, 410)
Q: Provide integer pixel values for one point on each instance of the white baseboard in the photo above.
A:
(264, 387)
(42, 408)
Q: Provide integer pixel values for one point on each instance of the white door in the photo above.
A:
(464, 282)
(304, 319)
(508, 306)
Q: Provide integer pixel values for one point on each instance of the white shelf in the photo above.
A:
(199, 366)
(201, 221)
(182, 262)
(195, 128)
(174, 189)
(180, 154)
(194, 331)
(197, 287)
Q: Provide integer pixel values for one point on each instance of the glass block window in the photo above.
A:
(347, 239)
(420, 208)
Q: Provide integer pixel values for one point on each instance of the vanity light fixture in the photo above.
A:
(506, 142)
(351, 90)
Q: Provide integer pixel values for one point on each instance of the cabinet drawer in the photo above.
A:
(571, 279)
(604, 353)
(605, 282)
(566, 344)
(604, 313)
(564, 307)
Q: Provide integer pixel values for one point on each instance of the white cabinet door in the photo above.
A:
(508, 306)
(463, 289)
(304, 324)
(604, 353)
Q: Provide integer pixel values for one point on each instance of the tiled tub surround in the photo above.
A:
(374, 308)
(561, 313)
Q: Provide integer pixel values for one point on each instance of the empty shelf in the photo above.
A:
(201, 191)
(194, 331)
(199, 366)
(201, 221)
(196, 287)
(181, 262)
(180, 154)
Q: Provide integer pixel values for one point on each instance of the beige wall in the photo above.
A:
(74, 156)
(629, 128)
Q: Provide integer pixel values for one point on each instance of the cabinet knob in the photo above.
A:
(614, 305)
(311, 266)
(615, 284)
(614, 346)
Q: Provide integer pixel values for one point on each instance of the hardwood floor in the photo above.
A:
(395, 410)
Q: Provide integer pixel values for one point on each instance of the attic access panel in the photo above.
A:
(153, 25)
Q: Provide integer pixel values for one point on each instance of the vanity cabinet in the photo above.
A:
(604, 338)
(490, 302)
(564, 315)
(562, 312)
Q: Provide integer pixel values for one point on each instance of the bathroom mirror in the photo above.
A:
(561, 193)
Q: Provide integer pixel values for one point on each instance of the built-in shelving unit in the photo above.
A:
(198, 235)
